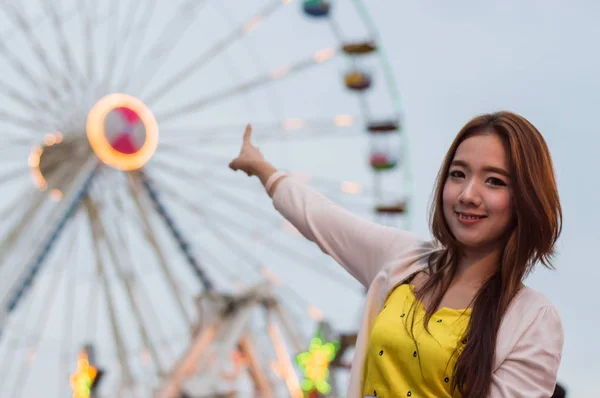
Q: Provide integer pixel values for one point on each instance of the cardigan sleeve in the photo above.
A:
(530, 370)
(362, 247)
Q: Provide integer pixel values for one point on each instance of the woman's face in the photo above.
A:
(477, 195)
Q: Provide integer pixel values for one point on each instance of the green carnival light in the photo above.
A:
(314, 364)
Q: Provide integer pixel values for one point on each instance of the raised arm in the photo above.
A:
(360, 246)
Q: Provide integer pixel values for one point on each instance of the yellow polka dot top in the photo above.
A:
(395, 366)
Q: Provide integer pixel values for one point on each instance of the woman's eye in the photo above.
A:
(496, 181)
(456, 174)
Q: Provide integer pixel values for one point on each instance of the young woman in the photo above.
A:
(448, 317)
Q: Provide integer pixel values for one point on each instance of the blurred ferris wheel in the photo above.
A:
(128, 250)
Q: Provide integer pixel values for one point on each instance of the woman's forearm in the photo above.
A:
(264, 170)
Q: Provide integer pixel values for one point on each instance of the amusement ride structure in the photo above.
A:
(133, 263)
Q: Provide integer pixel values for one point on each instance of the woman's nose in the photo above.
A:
(470, 194)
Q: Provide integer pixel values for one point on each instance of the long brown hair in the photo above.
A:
(530, 240)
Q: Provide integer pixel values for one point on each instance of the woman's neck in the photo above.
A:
(476, 266)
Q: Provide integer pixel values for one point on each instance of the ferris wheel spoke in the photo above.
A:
(70, 297)
(140, 31)
(36, 21)
(351, 195)
(13, 343)
(221, 267)
(47, 103)
(23, 224)
(231, 243)
(232, 66)
(349, 189)
(17, 65)
(173, 31)
(92, 20)
(65, 48)
(25, 123)
(25, 335)
(143, 212)
(20, 68)
(89, 15)
(244, 230)
(256, 211)
(120, 216)
(227, 239)
(17, 15)
(49, 236)
(159, 207)
(18, 203)
(13, 174)
(296, 128)
(11, 143)
(96, 231)
(29, 103)
(124, 40)
(154, 318)
(235, 276)
(41, 319)
(279, 73)
(193, 67)
(131, 298)
(16, 278)
(114, 43)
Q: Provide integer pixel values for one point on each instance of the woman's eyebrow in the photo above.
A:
(491, 169)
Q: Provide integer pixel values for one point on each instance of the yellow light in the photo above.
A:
(270, 276)
(34, 157)
(146, 357)
(50, 139)
(56, 194)
(343, 120)
(83, 378)
(252, 24)
(323, 55)
(349, 187)
(280, 72)
(315, 313)
(103, 148)
(293, 124)
(33, 160)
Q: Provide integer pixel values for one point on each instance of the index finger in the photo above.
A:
(248, 134)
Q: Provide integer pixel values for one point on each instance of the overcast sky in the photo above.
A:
(450, 60)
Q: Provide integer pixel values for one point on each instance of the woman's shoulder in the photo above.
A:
(534, 300)
(532, 326)
(532, 306)
(533, 314)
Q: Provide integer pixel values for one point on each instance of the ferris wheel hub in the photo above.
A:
(122, 131)
(54, 163)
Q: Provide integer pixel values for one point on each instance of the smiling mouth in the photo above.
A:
(468, 217)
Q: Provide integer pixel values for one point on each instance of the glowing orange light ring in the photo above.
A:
(103, 148)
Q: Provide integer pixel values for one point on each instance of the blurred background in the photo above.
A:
(133, 262)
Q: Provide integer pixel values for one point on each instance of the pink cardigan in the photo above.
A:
(530, 339)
